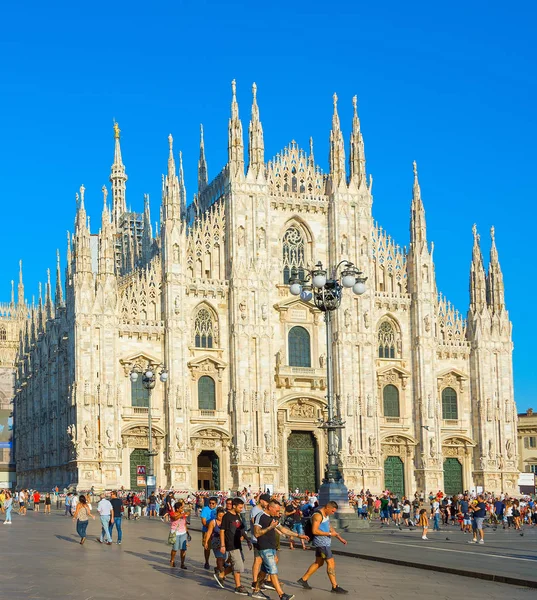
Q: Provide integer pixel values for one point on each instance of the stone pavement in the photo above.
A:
(42, 560)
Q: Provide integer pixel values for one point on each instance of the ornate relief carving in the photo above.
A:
(302, 410)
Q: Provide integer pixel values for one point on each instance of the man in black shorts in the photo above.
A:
(232, 531)
(265, 525)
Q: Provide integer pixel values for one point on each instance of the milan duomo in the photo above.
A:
(426, 396)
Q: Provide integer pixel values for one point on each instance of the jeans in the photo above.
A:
(436, 522)
(105, 533)
(81, 527)
(117, 523)
(8, 513)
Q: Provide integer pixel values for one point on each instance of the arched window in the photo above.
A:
(294, 259)
(203, 329)
(139, 394)
(449, 404)
(206, 393)
(299, 347)
(386, 340)
(390, 398)
(3, 334)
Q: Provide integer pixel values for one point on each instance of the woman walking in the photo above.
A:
(212, 537)
(81, 516)
(8, 506)
(48, 502)
(178, 536)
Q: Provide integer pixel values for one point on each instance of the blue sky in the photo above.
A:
(451, 85)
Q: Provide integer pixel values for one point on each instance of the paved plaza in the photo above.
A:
(42, 559)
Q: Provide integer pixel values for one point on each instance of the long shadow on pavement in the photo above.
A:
(67, 539)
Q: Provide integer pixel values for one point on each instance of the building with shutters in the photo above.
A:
(426, 396)
(527, 442)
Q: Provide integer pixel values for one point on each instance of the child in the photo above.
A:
(424, 522)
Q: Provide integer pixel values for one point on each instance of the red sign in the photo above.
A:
(140, 470)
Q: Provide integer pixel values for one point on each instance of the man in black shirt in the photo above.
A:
(265, 526)
(117, 505)
(479, 513)
(232, 531)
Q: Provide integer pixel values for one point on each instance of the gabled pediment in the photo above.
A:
(294, 302)
(206, 364)
(395, 369)
(454, 372)
(138, 362)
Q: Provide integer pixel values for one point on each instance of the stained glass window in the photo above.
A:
(139, 395)
(449, 404)
(386, 340)
(293, 254)
(203, 329)
(390, 397)
(299, 347)
(206, 393)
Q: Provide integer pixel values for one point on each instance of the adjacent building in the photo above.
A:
(426, 396)
(527, 442)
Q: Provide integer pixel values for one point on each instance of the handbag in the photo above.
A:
(172, 536)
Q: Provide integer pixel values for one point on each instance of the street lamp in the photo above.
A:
(325, 287)
(149, 379)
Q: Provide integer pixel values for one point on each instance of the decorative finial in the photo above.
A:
(474, 230)
(335, 100)
(355, 104)
(311, 146)
(170, 141)
(254, 91)
(492, 232)
(117, 130)
(105, 194)
(415, 165)
(82, 191)
(201, 134)
(234, 88)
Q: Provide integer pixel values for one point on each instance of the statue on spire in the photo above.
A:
(117, 130)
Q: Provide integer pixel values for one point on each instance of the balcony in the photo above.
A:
(300, 377)
(215, 417)
(139, 413)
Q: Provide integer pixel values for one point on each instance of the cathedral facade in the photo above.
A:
(426, 396)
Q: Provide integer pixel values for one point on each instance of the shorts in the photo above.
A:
(384, 514)
(217, 553)
(324, 552)
(479, 522)
(256, 550)
(298, 528)
(396, 511)
(152, 507)
(237, 563)
(22, 504)
(467, 521)
(180, 541)
(269, 565)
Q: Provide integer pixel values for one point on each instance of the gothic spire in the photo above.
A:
(118, 179)
(418, 231)
(12, 293)
(357, 155)
(337, 149)
(182, 188)
(58, 297)
(147, 233)
(48, 297)
(235, 141)
(106, 239)
(82, 237)
(478, 286)
(311, 156)
(203, 178)
(20, 288)
(495, 287)
(256, 146)
(40, 310)
(171, 188)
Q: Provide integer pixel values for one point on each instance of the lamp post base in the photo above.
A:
(336, 492)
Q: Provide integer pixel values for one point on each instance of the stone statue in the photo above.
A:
(351, 446)
(278, 358)
(71, 432)
(366, 319)
(491, 450)
(372, 445)
(177, 306)
(234, 453)
(264, 313)
(509, 449)
(501, 463)
(432, 451)
(109, 435)
(242, 309)
(268, 441)
(179, 438)
(427, 323)
(246, 440)
(347, 317)
(322, 360)
(87, 435)
(483, 462)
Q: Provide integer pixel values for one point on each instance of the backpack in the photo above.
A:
(307, 523)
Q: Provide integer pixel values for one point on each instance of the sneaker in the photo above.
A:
(259, 595)
(287, 597)
(481, 542)
(119, 543)
(472, 542)
(424, 538)
(269, 586)
(241, 591)
(206, 566)
(219, 580)
(339, 590)
(304, 584)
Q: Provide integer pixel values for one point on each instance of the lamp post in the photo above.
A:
(324, 287)
(149, 379)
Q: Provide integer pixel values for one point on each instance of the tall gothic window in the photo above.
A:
(390, 401)
(449, 404)
(294, 259)
(386, 340)
(3, 334)
(206, 393)
(299, 347)
(139, 395)
(203, 329)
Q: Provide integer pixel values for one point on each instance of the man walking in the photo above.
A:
(207, 515)
(265, 526)
(479, 514)
(323, 533)
(231, 532)
(117, 506)
(104, 508)
(263, 502)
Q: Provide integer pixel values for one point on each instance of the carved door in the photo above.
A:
(452, 477)
(302, 461)
(394, 475)
(138, 458)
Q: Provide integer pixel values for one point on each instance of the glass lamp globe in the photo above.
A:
(319, 280)
(359, 288)
(306, 295)
(164, 376)
(149, 374)
(295, 289)
(348, 280)
(134, 376)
